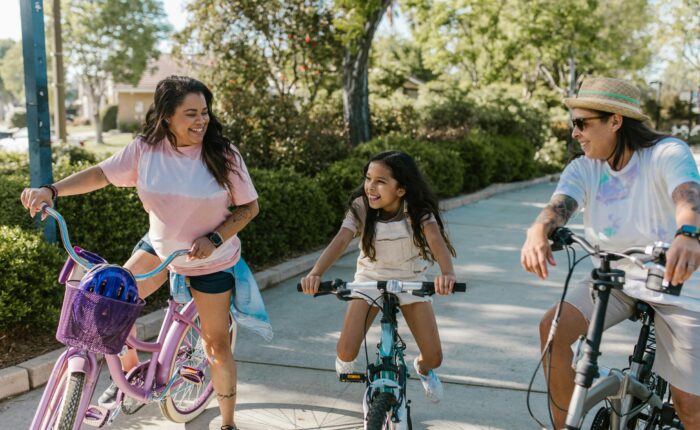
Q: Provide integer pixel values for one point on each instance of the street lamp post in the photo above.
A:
(658, 101)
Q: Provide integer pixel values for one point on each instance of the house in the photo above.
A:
(411, 85)
(133, 101)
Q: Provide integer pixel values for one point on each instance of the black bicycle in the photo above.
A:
(385, 403)
(635, 397)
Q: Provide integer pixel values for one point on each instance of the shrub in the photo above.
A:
(478, 157)
(129, 126)
(18, 119)
(443, 169)
(71, 154)
(272, 133)
(109, 117)
(338, 181)
(514, 159)
(294, 216)
(30, 294)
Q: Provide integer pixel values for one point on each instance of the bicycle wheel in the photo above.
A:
(379, 414)
(601, 421)
(187, 399)
(62, 408)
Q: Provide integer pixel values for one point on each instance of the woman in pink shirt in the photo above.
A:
(188, 177)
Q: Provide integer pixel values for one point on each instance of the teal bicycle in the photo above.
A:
(385, 403)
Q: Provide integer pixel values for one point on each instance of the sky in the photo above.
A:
(11, 27)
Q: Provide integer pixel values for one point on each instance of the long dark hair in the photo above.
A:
(218, 153)
(633, 135)
(419, 200)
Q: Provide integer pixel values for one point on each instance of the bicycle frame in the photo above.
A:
(392, 375)
(157, 371)
(621, 388)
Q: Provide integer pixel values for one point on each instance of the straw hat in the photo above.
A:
(608, 95)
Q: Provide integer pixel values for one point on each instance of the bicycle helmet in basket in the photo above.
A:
(111, 280)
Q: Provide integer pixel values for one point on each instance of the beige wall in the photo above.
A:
(133, 107)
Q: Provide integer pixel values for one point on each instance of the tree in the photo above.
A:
(530, 44)
(267, 48)
(357, 22)
(112, 39)
(686, 31)
(11, 72)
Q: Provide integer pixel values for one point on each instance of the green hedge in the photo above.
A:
(294, 216)
(443, 169)
(30, 295)
(338, 180)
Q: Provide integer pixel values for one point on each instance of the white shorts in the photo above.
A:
(677, 333)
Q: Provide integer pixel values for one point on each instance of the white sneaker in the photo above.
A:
(344, 366)
(431, 383)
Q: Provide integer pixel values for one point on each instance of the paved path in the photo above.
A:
(489, 338)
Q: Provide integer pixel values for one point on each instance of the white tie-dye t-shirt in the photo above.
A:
(634, 207)
(183, 200)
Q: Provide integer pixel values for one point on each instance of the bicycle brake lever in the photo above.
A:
(344, 295)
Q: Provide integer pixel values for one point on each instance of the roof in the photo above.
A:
(156, 71)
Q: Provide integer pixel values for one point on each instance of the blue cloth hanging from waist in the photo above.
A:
(247, 306)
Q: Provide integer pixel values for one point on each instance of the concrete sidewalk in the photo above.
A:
(489, 337)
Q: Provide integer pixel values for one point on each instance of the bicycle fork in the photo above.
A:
(71, 361)
(604, 280)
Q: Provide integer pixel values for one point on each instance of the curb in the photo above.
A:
(34, 373)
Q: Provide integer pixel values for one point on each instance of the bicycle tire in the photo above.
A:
(71, 401)
(601, 421)
(190, 352)
(379, 413)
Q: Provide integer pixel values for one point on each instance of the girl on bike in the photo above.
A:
(396, 216)
(188, 175)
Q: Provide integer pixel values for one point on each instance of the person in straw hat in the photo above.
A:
(637, 187)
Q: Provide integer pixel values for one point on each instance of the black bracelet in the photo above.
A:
(54, 191)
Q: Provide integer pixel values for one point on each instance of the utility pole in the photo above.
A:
(37, 95)
(59, 115)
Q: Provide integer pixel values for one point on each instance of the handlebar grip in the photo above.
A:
(460, 287)
(326, 287)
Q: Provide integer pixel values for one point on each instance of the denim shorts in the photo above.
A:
(212, 283)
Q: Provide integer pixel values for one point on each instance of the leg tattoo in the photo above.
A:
(230, 395)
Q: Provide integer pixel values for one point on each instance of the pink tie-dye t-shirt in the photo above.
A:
(183, 200)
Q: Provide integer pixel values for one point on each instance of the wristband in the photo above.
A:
(54, 191)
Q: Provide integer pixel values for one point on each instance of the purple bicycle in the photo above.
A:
(176, 375)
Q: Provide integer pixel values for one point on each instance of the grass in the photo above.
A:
(113, 141)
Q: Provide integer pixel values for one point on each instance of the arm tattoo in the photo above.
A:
(557, 212)
(687, 194)
(241, 213)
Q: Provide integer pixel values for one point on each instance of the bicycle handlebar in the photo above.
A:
(654, 260)
(63, 228)
(420, 289)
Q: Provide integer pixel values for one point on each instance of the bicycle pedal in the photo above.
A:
(192, 375)
(353, 377)
(96, 416)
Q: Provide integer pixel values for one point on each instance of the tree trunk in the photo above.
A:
(355, 76)
(96, 119)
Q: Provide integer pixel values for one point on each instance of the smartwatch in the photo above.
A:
(215, 238)
(689, 231)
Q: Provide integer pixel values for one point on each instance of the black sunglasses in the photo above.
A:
(580, 123)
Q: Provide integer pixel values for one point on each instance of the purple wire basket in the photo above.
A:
(93, 322)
